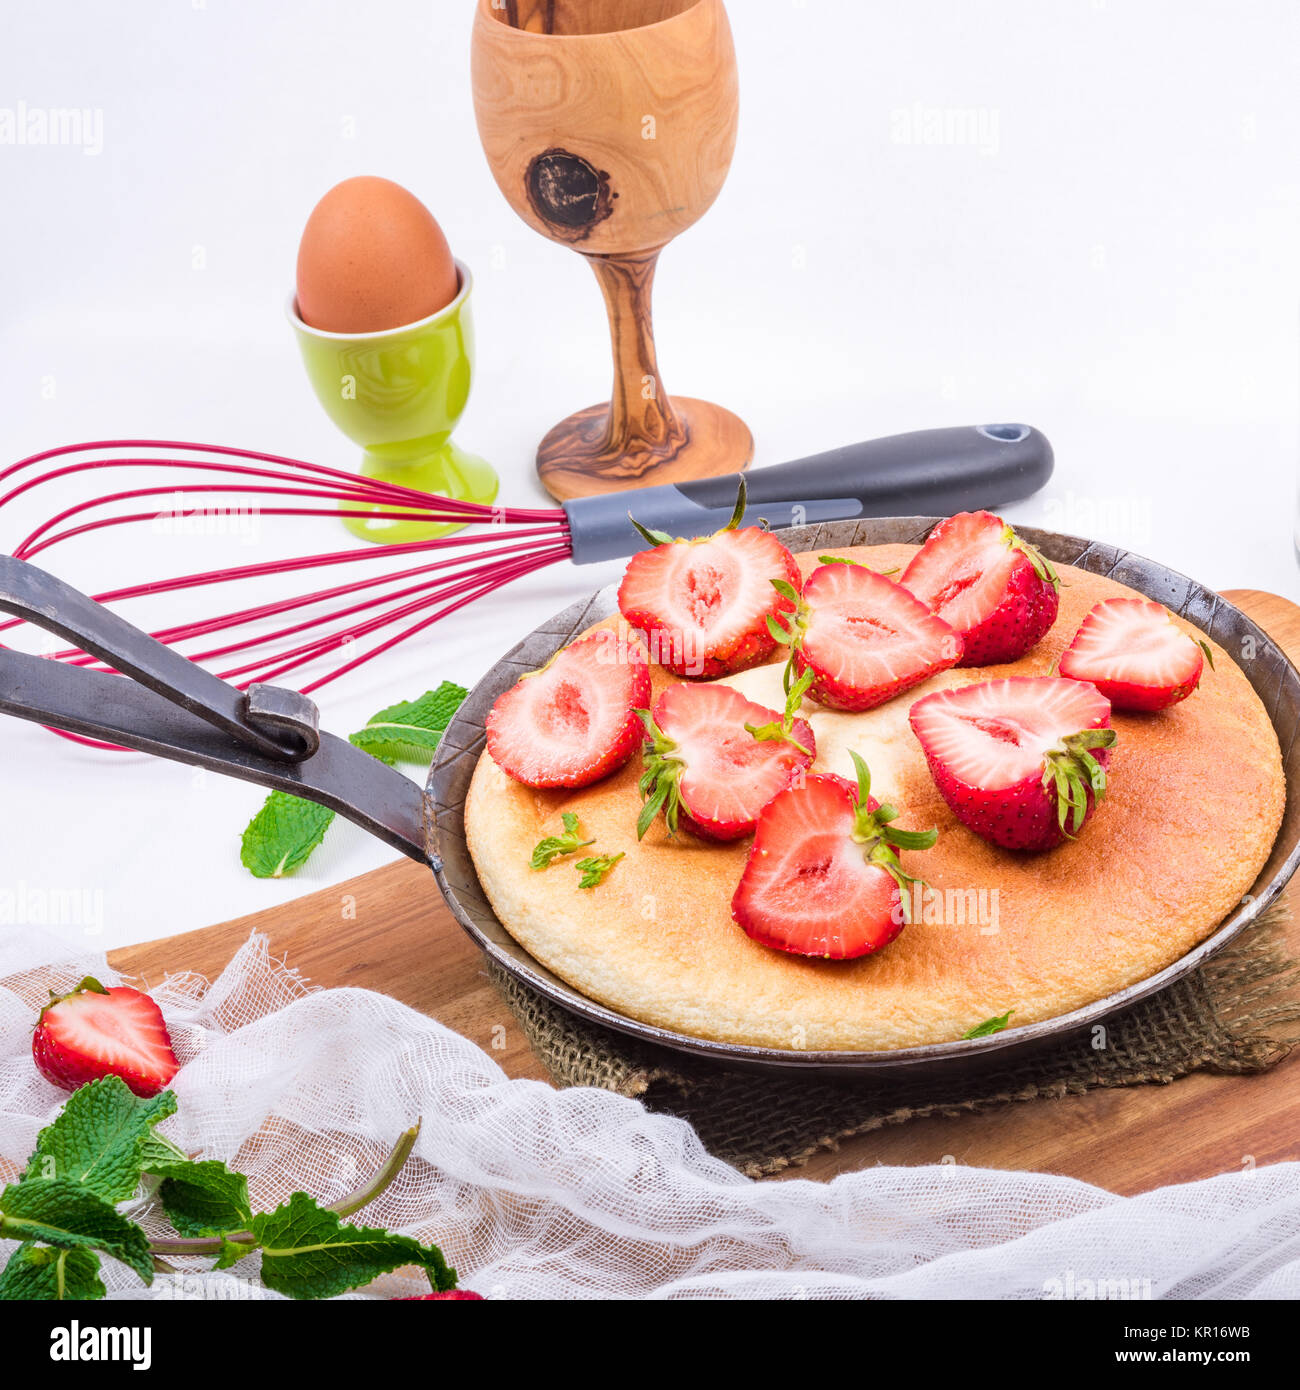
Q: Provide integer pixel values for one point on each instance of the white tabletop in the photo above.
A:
(1082, 216)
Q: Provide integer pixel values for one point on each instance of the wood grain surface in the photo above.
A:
(609, 126)
(388, 931)
(637, 122)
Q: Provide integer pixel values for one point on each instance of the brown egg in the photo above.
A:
(372, 257)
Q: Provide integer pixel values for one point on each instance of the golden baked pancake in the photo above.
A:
(1194, 804)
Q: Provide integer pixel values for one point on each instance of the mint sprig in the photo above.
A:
(555, 847)
(990, 1026)
(285, 833)
(593, 870)
(100, 1149)
(308, 1251)
(203, 1198)
(99, 1139)
(40, 1272)
(410, 732)
(68, 1215)
(596, 870)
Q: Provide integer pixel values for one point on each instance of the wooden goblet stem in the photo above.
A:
(641, 436)
(641, 415)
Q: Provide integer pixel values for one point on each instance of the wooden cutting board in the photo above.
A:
(389, 931)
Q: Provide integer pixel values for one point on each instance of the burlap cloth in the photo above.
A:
(1236, 1014)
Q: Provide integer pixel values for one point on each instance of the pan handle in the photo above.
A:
(173, 709)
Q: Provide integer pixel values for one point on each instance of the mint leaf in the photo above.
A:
(283, 834)
(98, 1138)
(286, 831)
(37, 1272)
(204, 1198)
(990, 1026)
(409, 732)
(556, 846)
(157, 1150)
(232, 1251)
(595, 871)
(309, 1252)
(57, 1211)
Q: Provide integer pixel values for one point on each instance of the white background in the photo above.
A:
(1113, 258)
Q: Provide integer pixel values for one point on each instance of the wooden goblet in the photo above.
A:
(609, 126)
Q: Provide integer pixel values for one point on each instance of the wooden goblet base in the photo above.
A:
(578, 459)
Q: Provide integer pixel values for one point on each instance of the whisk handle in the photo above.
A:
(924, 473)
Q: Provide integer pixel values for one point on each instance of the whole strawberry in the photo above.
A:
(1021, 762)
(714, 759)
(859, 639)
(823, 877)
(1136, 655)
(92, 1032)
(986, 582)
(574, 721)
(704, 605)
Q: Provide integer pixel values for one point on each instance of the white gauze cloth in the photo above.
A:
(537, 1193)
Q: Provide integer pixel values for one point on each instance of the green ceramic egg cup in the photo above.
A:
(400, 394)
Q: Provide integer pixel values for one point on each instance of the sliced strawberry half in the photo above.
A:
(94, 1032)
(1136, 655)
(988, 584)
(863, 638)
(1021, 762)
(704, 604)
(823, 877)
(714, 759)
(574, 721)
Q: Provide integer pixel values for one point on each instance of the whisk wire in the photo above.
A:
(513, 542)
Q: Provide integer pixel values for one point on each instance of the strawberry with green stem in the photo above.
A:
(92, 1032)
(704, 603)
(705, 769)
(861, 638)
(824, 877)
(987, 583)
(1021, 762)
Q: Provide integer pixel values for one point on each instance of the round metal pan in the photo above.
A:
(1273, 676)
